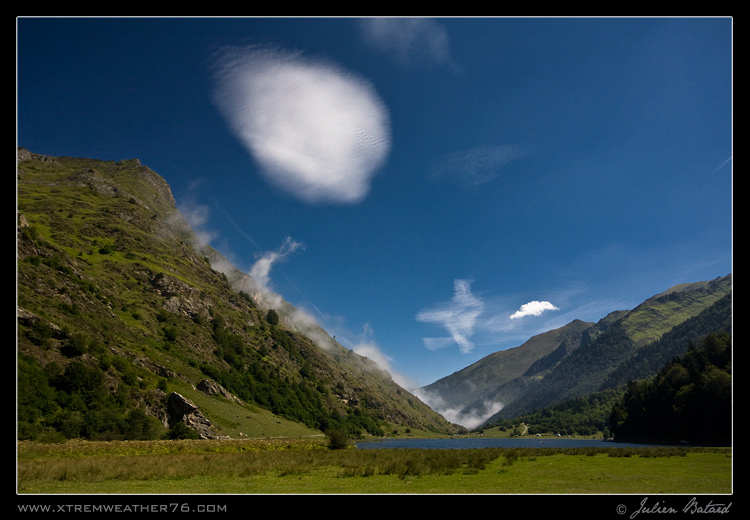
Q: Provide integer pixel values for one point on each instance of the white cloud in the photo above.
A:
(197, 216)
(408, 40)
(468, 417)
(457, 316)
(533, 308)
(437, 343)
(261, 270)
(315, 131)
(364, 345)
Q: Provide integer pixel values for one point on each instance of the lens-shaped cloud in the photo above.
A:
(315, 131)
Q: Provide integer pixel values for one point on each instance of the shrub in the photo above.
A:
(181, 430)
(272, 317)
(337, 439)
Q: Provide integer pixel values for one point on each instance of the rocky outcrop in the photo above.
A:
(26, 155)
(32, 320)
(210, 387)
(180, 298)
(156, 368)
(182, 409)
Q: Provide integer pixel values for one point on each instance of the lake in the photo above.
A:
(474, 442)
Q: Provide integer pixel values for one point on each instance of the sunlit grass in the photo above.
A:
(308, 466)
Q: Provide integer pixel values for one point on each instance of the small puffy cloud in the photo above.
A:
(315, 131)
(458, 317)
(533, 308)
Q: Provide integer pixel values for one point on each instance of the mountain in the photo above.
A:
(128, 327)
(582, 358)
(494, 379)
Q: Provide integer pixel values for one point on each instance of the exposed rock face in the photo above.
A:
(180, 298)
(156, 368)
(210, 387)
(182, 409)
(29, 318)
(26, 155)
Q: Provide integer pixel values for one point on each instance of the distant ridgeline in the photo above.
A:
(569, 380)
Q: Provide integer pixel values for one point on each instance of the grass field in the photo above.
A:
(308, 466)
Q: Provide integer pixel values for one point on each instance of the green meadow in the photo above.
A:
(309, 466)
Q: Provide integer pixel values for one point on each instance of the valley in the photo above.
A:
(131, 330)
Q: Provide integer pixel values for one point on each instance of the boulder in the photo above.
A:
(182, 409)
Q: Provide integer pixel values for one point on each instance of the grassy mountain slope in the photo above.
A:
(590, 413)
(118, 307)
(630, 348)
(478, 385)
(659, 314)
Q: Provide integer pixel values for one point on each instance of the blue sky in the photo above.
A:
(430, 190)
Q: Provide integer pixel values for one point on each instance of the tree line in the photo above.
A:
(689, 400)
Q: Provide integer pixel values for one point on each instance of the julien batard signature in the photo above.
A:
(693, 506)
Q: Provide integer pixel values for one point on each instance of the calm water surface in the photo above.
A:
(461, 443)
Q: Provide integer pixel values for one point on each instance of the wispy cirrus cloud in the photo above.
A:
(316, 131)
(475, 166)
(470, 320)
(458, 317)
(409, 40)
